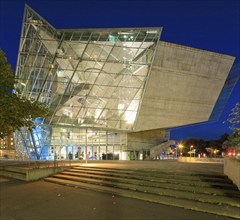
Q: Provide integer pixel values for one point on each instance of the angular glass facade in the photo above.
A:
(93, 81)
(227, 89)
(33, 144)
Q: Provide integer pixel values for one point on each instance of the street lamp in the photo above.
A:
(215, 151)
(191, 147)
(180, 146)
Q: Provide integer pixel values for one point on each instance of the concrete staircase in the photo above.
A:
(28, 173)
(13, 172)
(212, 194)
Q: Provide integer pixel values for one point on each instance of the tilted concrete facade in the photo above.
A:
(183, 86)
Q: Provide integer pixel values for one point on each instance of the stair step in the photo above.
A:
(173, 187)
(15, 175)
(152, 190)
(14, 169)
(158, 179)
(162, 174)
(219, 209)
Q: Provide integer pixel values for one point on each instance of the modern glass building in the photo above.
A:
(110, 91)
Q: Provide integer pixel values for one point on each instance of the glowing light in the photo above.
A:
(90, 133)
(120, 106)
(80, 121)
(60, 73)
(131, 117)
(152, 32)
(98, 113)
(180, 146)
(67, 112)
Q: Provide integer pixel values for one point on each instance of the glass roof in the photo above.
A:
(88, 78)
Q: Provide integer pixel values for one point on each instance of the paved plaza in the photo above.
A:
(44, 200)
(157, 165)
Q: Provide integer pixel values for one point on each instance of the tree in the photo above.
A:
(194, 145)
(233, 141)
(15, 111)
(234, 117)
(223, 138)
(199, 146)
(212, 151)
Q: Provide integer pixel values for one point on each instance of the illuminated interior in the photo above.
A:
(112, 91)
(92, 79)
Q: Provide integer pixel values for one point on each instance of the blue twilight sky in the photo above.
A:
(212, 25)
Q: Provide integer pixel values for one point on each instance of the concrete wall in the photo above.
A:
(157, 150)
(31, 173)
(183, 86)
(145, 139)
(36, 174)
(232, 170)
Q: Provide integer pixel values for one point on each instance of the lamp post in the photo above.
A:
(180, 146)
(191, 148)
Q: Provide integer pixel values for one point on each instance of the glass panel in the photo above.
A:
(87, 77)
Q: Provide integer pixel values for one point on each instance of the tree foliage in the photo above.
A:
(211, 147)
(233, 141)
(234, 117)
(15, 111)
